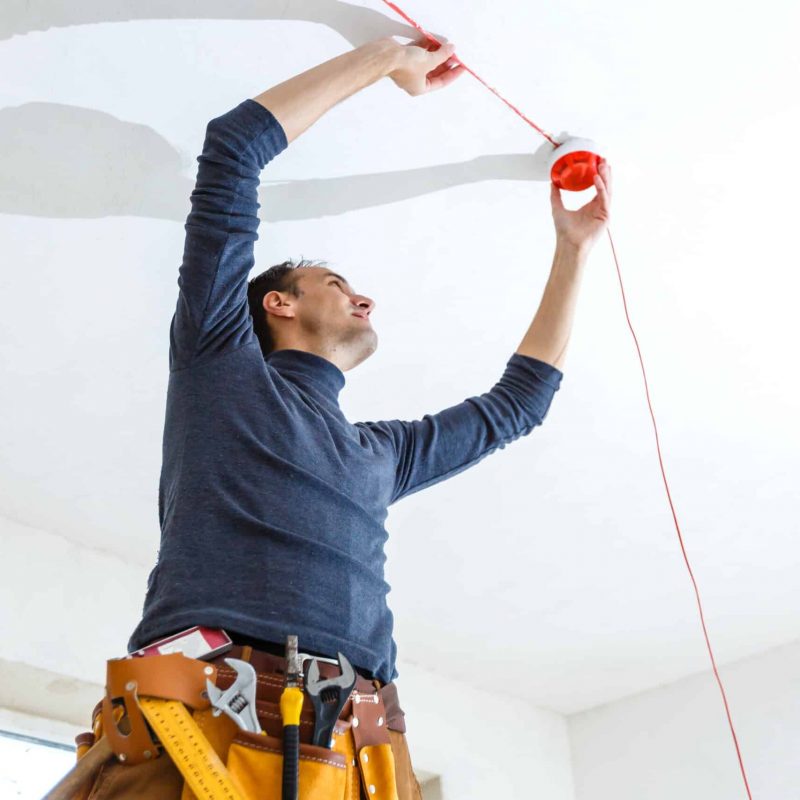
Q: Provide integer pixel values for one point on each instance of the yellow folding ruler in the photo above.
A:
(192, 753)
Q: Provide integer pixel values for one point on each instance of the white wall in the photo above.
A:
(674, 742)
(64, 607)
(80, 604)
(484, 744)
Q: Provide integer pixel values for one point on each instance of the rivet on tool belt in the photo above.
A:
(373, 745)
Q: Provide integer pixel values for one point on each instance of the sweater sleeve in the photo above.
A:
(212, 315)
(444, 444)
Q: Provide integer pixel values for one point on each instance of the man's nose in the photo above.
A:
(366, 304)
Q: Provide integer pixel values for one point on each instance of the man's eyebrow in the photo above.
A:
(334, 275)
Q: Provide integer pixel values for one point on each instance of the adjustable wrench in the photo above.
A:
(328, 697)
(238, 701)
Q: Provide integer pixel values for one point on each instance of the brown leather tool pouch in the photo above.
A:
(373, 746)
(254, 760)
(361, 753)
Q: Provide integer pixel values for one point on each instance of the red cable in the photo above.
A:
(649, 405)
(675, 518)
(474, 75)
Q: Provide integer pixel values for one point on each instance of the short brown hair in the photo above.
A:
(279, 278)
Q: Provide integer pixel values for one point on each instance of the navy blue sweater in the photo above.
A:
(272, 505)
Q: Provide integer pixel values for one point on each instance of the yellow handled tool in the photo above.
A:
(291, 706)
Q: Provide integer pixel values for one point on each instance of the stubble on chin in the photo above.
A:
(364, 345)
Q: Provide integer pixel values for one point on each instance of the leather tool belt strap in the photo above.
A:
(372, 709)
(169, 677)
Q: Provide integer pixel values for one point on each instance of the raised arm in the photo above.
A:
(440, 445)
(221, 229)
(576, 233)
(302, 100)
(212, 315)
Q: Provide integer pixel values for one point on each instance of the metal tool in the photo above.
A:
(291, 706)
(329, 697)
(238, 701)
(303, 657)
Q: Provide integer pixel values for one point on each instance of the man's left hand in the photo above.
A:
(583, 227)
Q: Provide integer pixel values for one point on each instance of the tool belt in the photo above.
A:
(160, 703)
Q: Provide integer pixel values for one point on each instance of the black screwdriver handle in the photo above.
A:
(291, 761)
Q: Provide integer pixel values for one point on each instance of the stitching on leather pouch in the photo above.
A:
(266, 749)
(274, 715)
(264, 678)
(271, 679)
(339, 729)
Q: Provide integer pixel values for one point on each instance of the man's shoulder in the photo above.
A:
(239, 363)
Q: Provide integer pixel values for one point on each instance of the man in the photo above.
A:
(271, 503)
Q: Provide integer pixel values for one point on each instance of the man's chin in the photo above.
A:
(370, 344)
(367, 345)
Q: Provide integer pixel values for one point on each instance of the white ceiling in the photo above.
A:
(553, 563)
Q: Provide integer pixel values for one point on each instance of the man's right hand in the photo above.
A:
(423, 66)
(417, 68)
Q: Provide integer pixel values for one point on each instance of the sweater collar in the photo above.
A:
(310, 371)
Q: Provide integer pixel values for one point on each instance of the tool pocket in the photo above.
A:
(376, 763)
(255, 763)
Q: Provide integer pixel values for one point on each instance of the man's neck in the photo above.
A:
(338, 357)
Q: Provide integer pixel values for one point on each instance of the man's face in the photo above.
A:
(329, 310)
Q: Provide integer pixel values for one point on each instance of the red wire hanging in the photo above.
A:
(474, 75)
(675, 520)
(649, 405)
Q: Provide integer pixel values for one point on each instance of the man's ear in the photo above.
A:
(279, 304)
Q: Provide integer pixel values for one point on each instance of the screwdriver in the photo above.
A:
(291, 706)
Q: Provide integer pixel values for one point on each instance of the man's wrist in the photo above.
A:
(572, 251)
(387, 51)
